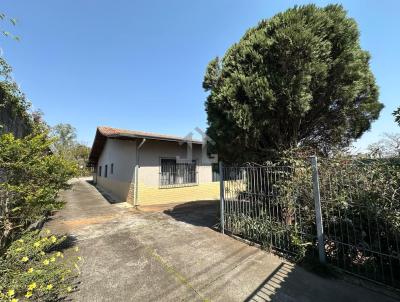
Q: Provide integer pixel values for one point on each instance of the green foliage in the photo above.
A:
(32, 177)
(10, 21)
(14, 106)
(396, 115)
(34, 269)
(66, 146)
(297, 79)
(66, 136)
(360, 201)
(265, 231)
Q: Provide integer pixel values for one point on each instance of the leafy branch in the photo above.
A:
(13, 22)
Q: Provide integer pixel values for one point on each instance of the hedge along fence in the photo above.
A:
(360, 205)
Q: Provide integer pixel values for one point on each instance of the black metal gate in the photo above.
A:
(346, 213)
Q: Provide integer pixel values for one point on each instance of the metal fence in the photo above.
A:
(346, 213)
(361, 218)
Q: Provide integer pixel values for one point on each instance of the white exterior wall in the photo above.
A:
(121, 153)
(150, 155)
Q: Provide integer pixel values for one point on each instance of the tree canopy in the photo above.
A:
(396, 115)
(14, 107)
(66, 136)
(299, 79)
(66, 145)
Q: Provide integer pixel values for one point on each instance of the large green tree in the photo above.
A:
(396, 115)
(66, 145)
(300, 78)
(66, 137)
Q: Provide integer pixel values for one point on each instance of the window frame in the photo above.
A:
(100, 171)
(175, 184)
(112, 169)
(105, 171)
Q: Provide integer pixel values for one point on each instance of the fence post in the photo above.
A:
(318, 212)
(221, 196)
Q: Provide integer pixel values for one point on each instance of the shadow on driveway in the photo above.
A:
(171, 253)
(285, 281)
(199, 213)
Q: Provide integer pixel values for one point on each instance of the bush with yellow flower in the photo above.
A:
(34, 269)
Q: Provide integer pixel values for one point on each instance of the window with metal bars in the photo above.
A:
(173, 174)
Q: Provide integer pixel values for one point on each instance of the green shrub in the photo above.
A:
(34, 269)
(31, 179)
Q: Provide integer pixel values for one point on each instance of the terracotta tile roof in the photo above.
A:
(104, 132)
(115, 132)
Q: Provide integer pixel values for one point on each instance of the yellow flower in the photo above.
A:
(11, 292)
(76, 249)
(28, 294)
(30, 270)
(32, 286)
(79, 258)
(49, 286)
(18, 249)
(52, 259)
(24, 259)
(36, 244)
(42, 253)
(69, 289)
(53, 239)
(46, 262)
(20, 240)
(14, 300)
(47, 231)
(58, 254)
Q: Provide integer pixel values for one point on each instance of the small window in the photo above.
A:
(112, 169)
(105, 170)
(175, 174)
(99, 170)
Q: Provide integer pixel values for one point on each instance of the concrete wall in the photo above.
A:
(122, 154)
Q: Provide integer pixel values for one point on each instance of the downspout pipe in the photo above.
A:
(137, 171)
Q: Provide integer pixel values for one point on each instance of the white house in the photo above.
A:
(147, 168)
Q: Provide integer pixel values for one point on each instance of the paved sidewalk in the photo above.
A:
(174, 255)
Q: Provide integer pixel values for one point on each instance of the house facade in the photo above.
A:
(146, 168)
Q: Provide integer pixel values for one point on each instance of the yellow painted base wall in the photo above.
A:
(155, 195)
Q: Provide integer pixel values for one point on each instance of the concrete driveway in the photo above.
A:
(154, 254)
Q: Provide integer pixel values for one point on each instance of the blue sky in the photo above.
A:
(140, 64)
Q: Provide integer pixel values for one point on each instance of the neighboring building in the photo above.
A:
(146, 168)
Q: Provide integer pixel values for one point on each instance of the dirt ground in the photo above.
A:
(171, 253)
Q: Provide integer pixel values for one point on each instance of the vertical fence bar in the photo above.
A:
(221, 195)
(318, 212)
